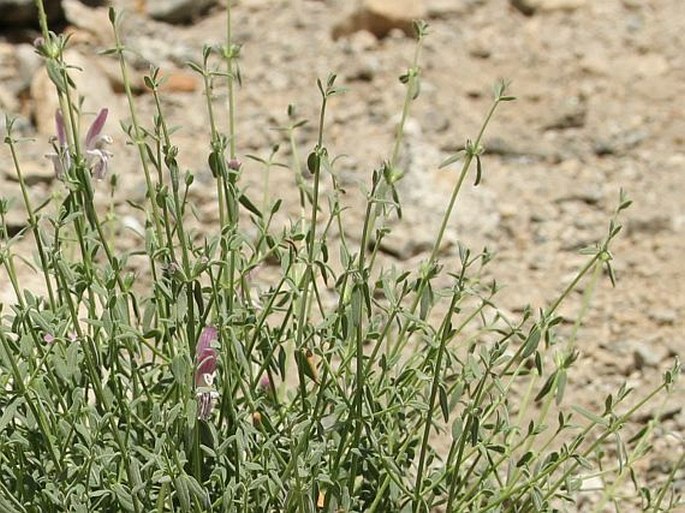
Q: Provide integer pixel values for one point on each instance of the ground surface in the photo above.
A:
(600, 92)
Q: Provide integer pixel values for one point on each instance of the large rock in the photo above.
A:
(381, 16)
(92, 19)
(23, 13)
(90, 82)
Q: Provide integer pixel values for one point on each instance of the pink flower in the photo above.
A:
(266, 384)
(60, 158)
(205, 355)
(234, 165)
(96, 156)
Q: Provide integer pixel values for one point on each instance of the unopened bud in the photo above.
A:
(235, 164)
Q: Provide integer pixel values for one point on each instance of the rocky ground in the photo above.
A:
(599, 87)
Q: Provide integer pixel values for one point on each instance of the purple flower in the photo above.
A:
(95, 142)
(97, 157)
(205, 356)
(60, 158)
(266, 384)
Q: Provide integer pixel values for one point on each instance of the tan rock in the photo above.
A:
(91, 83)
(93, 20)
(179, 82)
(381, 16)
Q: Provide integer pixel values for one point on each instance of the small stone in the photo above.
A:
(571, 114)
(364, 69)
(362, 41)
(380, 17)
(645, 356)
(664, 317)
(178, 11)
(648, 223)
(530, 7)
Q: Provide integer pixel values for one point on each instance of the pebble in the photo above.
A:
(645, 355)
(664, 317)
(570, 114)
(648, 222)
(364, 69)
(380, 17)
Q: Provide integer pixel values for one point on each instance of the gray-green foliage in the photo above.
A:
(99, 391)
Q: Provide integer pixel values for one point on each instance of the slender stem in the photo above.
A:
(33, 222)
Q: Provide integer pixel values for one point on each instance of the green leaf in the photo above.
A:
(457, 429)
(479, 171)
(313, 162)
(596, 419)
(525, 459)
(547, 386)
(245, 202)
(450, 160)
(55, 75)
(531, 343)
(182, 493)
(123, 496)
(444, 406)
(10, 412)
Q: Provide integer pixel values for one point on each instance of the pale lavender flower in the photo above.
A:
(61, 160)
(49, 338)
(96, 156)
(205, 367)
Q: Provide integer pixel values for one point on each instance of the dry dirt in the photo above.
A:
(600, 107)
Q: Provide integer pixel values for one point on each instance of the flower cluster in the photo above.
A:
(97, 158)
(205, 367)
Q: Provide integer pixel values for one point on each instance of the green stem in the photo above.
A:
(33, 221)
